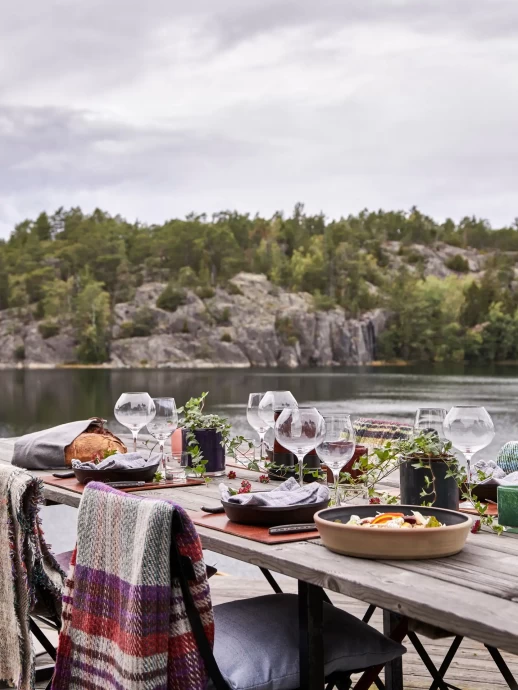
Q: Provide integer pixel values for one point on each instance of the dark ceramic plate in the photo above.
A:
(484, 492)
(269, 517)
(143, 474)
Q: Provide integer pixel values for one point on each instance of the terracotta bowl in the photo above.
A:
(389, 543)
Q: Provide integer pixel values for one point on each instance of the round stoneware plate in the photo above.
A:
(386, 543)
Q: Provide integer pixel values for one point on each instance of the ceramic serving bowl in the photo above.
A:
(270, 516)
(142, 474)
(386, 543)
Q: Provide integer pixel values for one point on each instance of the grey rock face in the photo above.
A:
(255, 324)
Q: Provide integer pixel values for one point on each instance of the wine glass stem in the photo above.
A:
(468, 457)
(261, 444)
(162, 458)
(135, 434)
(300, 458)
(336, 477)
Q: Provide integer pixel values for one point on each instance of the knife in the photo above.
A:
(293, 529)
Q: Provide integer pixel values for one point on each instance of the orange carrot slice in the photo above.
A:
(386, 517)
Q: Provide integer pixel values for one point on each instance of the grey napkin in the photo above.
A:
(119, 461)
(496, 475)
(45, 450)
(287, 494)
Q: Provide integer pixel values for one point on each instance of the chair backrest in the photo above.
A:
(29, 574)
(137, 605)
(375, 433)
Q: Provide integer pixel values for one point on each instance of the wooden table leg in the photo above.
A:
(394, 669)
(311, 645)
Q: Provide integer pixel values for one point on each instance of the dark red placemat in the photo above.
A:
(221, 523)
(73, 485)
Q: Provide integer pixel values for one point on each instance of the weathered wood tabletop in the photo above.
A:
(474, 594)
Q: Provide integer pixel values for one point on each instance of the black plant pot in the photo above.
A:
(412, 483)
(209, 441)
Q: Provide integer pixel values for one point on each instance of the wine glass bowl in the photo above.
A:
(469, 429)
(300, 430)
(430, 420)
(134, 411)
(272, 402)
(337, 447)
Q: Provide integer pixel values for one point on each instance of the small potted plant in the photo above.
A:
(428, 471)
(206, 438)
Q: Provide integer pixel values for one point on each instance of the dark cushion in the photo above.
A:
(257, 643)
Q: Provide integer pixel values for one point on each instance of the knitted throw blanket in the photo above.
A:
(29, 574)
(374, 433)
(124, 626)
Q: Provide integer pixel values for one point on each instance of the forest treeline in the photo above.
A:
(71, 268)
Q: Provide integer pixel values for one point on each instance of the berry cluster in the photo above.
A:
(245, 488)
(375, 500)
(264, 479)
(231, 474)
(475, 527)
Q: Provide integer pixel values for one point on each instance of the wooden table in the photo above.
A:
(473, 594)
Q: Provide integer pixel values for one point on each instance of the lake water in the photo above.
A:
(35, 399)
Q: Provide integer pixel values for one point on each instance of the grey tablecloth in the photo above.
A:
(119, 461)
(45, 450)
(287, 494)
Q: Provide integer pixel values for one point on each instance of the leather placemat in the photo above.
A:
(492, 509)
(73, 485)
(221, 523)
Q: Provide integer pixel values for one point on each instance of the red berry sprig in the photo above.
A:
(264, 479)
(475, 527)
(231, 474)
(374, 500)
(245, 488)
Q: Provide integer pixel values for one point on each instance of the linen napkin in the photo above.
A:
(496, 474)
(288, 493)
(119, 461)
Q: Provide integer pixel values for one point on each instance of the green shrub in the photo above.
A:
(48, 329)
(286, 330)
(226, 338)
(457, 263)
(171, 298)
(205, 292)
(142, 325)
(234, 289)
(19, 353)
(222, 318)
(185, 327)
(323, 302)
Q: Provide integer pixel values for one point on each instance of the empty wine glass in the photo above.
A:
(337, 446)
(469, 429)
(430, 420)
(272, 402)
(255, 421)
(134, 410)
(300, 430)
(164, 423)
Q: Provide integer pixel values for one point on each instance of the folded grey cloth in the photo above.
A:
(45, 450)
(287, 494)
(119, 461)
(496, 474)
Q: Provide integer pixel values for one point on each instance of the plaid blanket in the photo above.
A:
(29, 574)
(374, 433)
(125, 625)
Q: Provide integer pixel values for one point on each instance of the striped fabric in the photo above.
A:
(125, 625)
(374, 433)
(507, 457)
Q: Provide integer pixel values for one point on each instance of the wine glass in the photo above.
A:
(134, 410)
(430, 420)
(337, 446)
(164, 423)
(255, 421)
(300, 430)
(469, 429)
(272, 402)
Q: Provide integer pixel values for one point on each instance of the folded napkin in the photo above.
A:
(287, 494)
(496, 474)
(119, 461)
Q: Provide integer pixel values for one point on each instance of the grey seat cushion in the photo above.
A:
(257, 643)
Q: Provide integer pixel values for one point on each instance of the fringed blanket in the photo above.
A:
(124, 626)
(29, 574)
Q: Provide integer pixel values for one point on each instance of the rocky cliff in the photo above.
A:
(252, 323)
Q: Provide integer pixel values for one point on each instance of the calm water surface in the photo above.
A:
(31, 400)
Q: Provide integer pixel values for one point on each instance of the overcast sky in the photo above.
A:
(156, 108)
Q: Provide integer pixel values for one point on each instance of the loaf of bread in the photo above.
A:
(95, 440)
